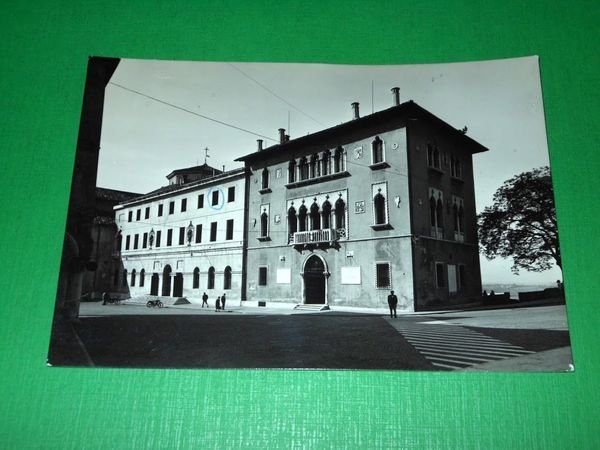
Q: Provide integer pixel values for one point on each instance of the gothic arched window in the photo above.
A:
(315, 222)
(432, 211)
(142, 277)
(325, 161)
(133, 277)
(303, 169)
(292, 220)
(302, 212)
(439, 213)
(340, 214)
(338, 160)
(326, 211)
(380, 212)
(292, 171)
(314, 166)
(264, 224)
(377, 150)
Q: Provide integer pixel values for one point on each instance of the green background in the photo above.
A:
(44, 50)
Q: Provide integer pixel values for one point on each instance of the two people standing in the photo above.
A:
(220, 303)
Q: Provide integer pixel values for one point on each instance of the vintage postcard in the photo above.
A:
(254, 215)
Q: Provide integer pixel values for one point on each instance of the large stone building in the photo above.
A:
(186, 238)
(344, 215)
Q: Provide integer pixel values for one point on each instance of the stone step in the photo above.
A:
(309, 307)
(166, 301)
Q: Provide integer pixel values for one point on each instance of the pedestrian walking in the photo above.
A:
(392, 303)
(218, 304)
(223, 302)
(105, 298)
(204, 300)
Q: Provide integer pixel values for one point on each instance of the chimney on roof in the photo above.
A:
(281, 135)
(355, 113)
(260, 144)
(396, 94)
(287, 138)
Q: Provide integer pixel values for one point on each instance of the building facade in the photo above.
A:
(106, 243)
(379, 203)
(186, 238)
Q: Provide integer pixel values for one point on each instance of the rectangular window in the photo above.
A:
(127, 242)
(231, 194)
(158, 238)
(201, 201)
(145, 240)
(136, 241)
(198, 233)
(215, 198)
(160, 210)
(183, 204)
(138, 214)
(229, 232)
(171, 207)
(461, 276)
(213, 231)
(262, 276)
(181, 235)
(440, 282)
(147, 213)
(382, 275)
(169, 237)
(130, 216)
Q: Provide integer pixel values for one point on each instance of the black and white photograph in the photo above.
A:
(312, 216)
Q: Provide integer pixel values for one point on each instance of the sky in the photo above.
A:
(161, 115)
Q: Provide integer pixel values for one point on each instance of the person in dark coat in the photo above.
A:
(204, 300)
(218, 304)
(105, 298)
(223, 302)
(392, 303)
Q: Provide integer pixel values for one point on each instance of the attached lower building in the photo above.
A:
(379, 203)
(186, 238)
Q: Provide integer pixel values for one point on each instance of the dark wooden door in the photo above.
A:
(154, 284)
(314, 281)
(178, 285)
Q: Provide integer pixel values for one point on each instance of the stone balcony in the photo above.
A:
(313, 238)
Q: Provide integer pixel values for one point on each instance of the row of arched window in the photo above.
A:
(436, 214)
(210, 278)
(317, 165)
(324, 216)
(318, 217)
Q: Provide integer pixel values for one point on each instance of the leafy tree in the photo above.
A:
(522, 223)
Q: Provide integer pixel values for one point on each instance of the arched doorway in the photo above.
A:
(154, 284)
(314, 281)
(166, 284)
(178, 285)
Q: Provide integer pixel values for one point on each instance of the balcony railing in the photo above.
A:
(314, 237)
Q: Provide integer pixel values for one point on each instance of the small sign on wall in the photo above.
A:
(284, 276)
(351, 275)
(359, 207)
